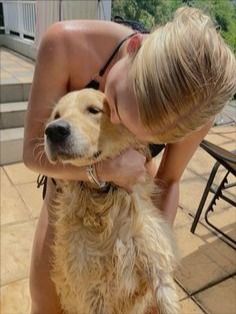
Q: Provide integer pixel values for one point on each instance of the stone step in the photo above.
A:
(11, 145)
(19, 46)
(14, 92)
(12, 115)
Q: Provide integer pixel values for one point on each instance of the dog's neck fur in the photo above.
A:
(94, 210)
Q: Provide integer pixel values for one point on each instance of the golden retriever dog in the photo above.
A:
(113, 251)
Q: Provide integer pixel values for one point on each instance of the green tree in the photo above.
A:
(223, 12)
(156, 12)
(149, 12)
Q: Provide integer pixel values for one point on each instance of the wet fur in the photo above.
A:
(113, 252)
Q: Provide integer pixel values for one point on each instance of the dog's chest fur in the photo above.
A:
(99, 249)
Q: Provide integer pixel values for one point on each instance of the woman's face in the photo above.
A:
(122, 101)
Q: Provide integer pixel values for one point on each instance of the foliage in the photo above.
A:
(156, 12)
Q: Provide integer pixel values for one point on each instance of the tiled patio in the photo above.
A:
(206, 277)
(14, 68)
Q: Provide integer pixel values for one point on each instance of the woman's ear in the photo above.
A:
(134, 43)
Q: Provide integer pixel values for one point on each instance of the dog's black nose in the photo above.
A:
(57, 132)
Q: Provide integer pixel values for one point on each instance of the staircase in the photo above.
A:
(16, 78)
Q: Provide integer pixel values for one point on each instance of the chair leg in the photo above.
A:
(204, 197)
(217, 195)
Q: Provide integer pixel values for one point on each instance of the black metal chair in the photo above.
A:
(228, 161)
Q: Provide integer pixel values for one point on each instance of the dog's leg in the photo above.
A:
(165, 295)
(160, 281)
(155, 261)
(96, 302)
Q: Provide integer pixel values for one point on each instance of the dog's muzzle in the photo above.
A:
(58, 140)
(58, 132)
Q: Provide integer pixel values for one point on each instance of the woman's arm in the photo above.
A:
(50, 83)
(174, 161)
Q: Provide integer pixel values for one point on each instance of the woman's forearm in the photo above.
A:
(168, 200)
(39, 163)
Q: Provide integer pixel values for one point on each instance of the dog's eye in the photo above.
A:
(94, 110)
(57, 116)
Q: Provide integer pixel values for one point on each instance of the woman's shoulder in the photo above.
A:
(86, 35)
(88, 44)
(74, 30)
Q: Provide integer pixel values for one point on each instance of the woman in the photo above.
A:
(165, 87)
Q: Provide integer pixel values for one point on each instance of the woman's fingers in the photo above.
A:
(125, 170)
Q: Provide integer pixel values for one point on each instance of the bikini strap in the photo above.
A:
(103, 69)
(42, 180)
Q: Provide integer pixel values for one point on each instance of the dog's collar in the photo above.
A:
(105, 189)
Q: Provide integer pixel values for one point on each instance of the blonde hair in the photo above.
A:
(183, 75)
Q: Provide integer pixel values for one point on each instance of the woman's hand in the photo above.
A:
(125, 170)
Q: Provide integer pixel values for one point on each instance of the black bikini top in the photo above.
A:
(94, 83)
(134, 25)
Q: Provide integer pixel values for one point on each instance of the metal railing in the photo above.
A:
(29, 18)
(20, 17)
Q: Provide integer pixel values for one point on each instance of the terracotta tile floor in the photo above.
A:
(205, 278)
(14, 68)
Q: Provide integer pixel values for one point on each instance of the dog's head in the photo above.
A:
(80, 132)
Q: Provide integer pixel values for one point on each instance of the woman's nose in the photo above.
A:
(114, 117)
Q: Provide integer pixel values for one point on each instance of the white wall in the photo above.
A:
(48, 12)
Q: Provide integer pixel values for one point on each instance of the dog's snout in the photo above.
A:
(58, 131)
